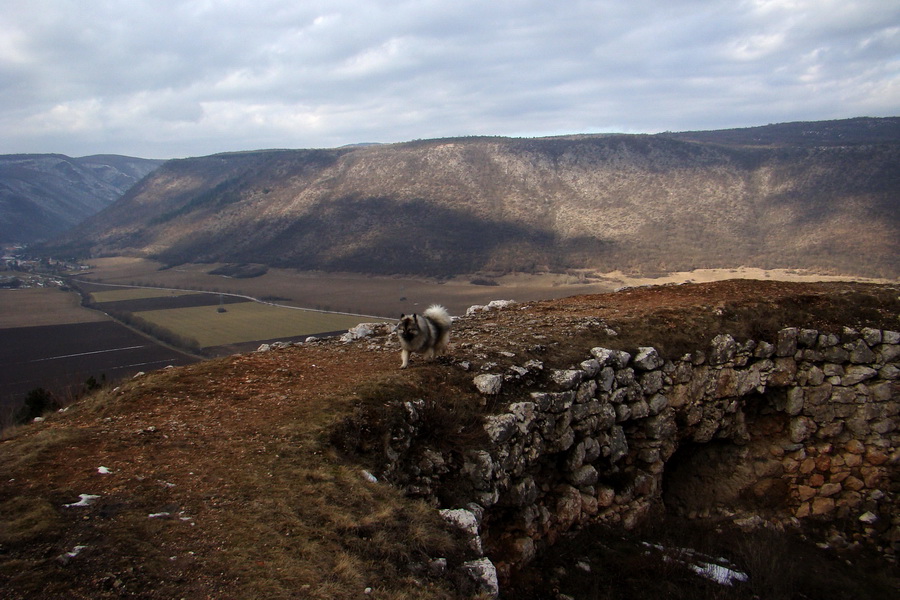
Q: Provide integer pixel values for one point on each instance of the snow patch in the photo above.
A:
(86, 500)
(718, 573)
(714, 569)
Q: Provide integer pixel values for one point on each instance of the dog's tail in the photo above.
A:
(439, 315)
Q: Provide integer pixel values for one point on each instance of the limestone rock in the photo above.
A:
(584, 476)
(786, 343)
(501, 427)
(567, 379)
(617, 359)
(722, 349)
(467, 522)
(484, 575)
(801, 428)
(647, 359)
(857, 374)
(860, 353)
(489, 384)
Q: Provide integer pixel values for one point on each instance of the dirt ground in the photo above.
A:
(203, 495)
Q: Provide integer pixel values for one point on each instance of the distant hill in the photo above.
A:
(822, 196)
(42, 195)
(862, 130)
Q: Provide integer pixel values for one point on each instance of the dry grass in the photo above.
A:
(30, 449)
(259, 503)
(26, 519)
(263, 453)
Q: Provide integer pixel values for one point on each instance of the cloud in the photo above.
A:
(179, 77)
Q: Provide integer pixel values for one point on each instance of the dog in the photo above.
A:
(428, 333)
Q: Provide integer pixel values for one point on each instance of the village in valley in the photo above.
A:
(19, 270)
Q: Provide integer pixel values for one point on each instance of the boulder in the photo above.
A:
(489, 384)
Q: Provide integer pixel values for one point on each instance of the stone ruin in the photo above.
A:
(760, 433)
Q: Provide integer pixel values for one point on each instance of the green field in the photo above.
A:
(247, 322)
(115, 295)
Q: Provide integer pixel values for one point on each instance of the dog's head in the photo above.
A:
(408, 327)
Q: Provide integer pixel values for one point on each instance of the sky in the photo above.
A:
(179, 78)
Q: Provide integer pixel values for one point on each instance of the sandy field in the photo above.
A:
(709, 275)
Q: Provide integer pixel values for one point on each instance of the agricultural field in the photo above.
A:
(48, 340)
(31, 307)
(246, 322)
(386, 297)
(59, 356)
(214, 319)
(389, 296)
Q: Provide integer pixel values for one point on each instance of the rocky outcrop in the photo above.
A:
(803, 426)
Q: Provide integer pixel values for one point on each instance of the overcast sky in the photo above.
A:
(173, 78)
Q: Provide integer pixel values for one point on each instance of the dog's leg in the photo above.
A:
(441, 347)
(404, 355)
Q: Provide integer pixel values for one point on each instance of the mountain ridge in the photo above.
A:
(859, 130)
(42, 195)
(641, 203)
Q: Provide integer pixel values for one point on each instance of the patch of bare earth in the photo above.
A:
(222, 482)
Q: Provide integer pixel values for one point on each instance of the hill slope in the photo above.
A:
(862, 130)
(441, 207)
(42, 195)
(222, 478)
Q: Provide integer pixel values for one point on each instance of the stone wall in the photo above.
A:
(803, 426)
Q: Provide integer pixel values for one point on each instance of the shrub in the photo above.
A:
(37, 402)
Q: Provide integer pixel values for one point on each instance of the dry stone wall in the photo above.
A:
(803, 426)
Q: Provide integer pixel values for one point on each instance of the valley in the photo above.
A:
(185, 313)
(386, 297)
(759, 266)
(225, 252)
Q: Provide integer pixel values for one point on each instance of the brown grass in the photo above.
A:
(26, 519)
(262, 454)
(271, 510)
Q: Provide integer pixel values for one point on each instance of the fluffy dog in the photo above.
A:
(428, 333)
